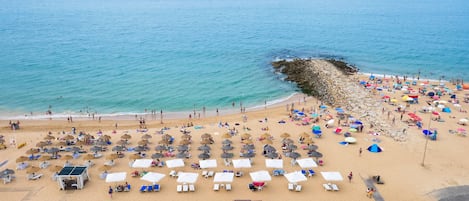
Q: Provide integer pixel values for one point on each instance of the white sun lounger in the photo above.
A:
(191, 187)
(216, 187)
(291, 186)
(335, 187)
(185, 188)
(173, 173)
(204, 173)
(298, 188)
(327, 187)
(210, 173)
(179, 188)
(228, 187)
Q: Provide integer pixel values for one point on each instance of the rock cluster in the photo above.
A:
(339, 87)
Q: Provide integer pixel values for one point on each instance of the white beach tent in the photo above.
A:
(187, 177)
(332, 176)
(175, 163)
(212, 163)
(274, 163)
(223, 177)
(261, 175)
(295, 177)
(153, 177)
(241, 163)
(116, 177)
(306, 163)
(142, 163)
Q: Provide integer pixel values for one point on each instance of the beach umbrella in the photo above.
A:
(330, 122)
(104, 168)
(161, 148)
(274, 163)
(116, 177)
(135, 156)
(146, 136)
(88, 157)
(101, 143)
(96, 149)
(271, 155)
(245, 136)
(266, 135)
(292, 147)
(67, 157)
(184, 142)
(294, 155)
(182, 155)
(186, 137)
(285, 135)
(241, 163)
(223, 177)
(75, 149)
(118, 148)
(204, 156)
(174, 163)
(227, 155)
(153, 177)
(122, 142)
(183, 148)
(32, 169)
(112, 156)
(332, 176)
(49, 137)
(260, 176)
(312, 147)
(22, 159)
(143, 142)
(269, 148)
(267, 141)
(248, 141)
(226, 136)
(126, 136)
(68, 137)
(306, 163)
(53, 150)
(32, 151)
(204, 148)
(44, 158)
(322, 106)
(40, 144)
(187, 177)
(288, 140)
(249, 155)
(226, 141)
(248, 146)
(140, 148)
(157, 155)
(304, 134)
(206, 141)
(6, 172)
(55, 168)
(295, 177)
(374, 148)
(350, 140)
(315, 154)
(463, 121)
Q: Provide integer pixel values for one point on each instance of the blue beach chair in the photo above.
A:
(311, 172)
(156, 187)
(303, 172)
(150, 188)
(143, 188)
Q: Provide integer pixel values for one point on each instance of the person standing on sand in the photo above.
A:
(110, 191)
(360, 152)
(350, 177)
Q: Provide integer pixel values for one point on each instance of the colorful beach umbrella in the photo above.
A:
(374, 148)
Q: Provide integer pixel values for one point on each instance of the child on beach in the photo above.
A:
(110, 191)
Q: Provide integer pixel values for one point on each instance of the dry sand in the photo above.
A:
(399, 164)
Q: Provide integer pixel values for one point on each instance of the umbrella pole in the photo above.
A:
(426, 143)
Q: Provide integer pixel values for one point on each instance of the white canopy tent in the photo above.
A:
(223, 177)
(274, 163)
(116, 177)
(153, 177)
(295, 177)
(212, 163)
(332, 176)
(261, 175)
(241, 163)
(175, 163)
(142, 163)
(306, 163)
(187, 177)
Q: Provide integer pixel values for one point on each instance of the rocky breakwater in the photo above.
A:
(336, 83)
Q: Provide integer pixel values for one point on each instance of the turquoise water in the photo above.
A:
(124, 56)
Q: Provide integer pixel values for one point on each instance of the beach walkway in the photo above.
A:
(376, 196)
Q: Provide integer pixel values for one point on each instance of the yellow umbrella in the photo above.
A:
(41, 144)
(44, 158)
(248, 141)
(32, 169)
(266, 135)
(69, 137)
(184, 142)
(135, 156)
(104, 168)
(184, 137)
(143, 142)
(49, 137)
(226, 136)
(22, 159)
(205, 141)
(111, 156)
(126, 136)
(245, 135)
(88, 157)
(267, 141)
(285, 135)
(32, 151)
(146, 136)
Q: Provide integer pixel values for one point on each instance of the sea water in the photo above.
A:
(122, 57)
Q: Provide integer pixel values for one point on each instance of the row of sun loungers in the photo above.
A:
(150, 188)
(185, 188)
(330, 187)
(208, 174)
(294, 187)
(216, 187)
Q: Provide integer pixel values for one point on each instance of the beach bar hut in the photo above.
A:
(72, 177)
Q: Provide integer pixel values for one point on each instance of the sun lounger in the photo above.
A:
(191, 187)
(156, 187)
(173, 173)
(303, 172)
(204, 173)
(185, 188)
(291, 186)
(179, 188)
(216, 187)
(311, 172)
(327, 187)
(210, 173)
(335, 187)
(228, 187)
(150, 188)
(143, 188)
(34, 177)
(298, 188)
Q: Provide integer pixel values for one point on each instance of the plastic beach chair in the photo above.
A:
(185, 188)
(156, 187)
(191, 187)
(311, 172)
(335, 187)
(303, 172)
(150, 188)
(179, 188)
(290, 186)
(298, 188)
(228, 187)
(143, 188)
(216, 187)
(327, 187)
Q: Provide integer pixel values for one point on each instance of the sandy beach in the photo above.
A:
(399, 164)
